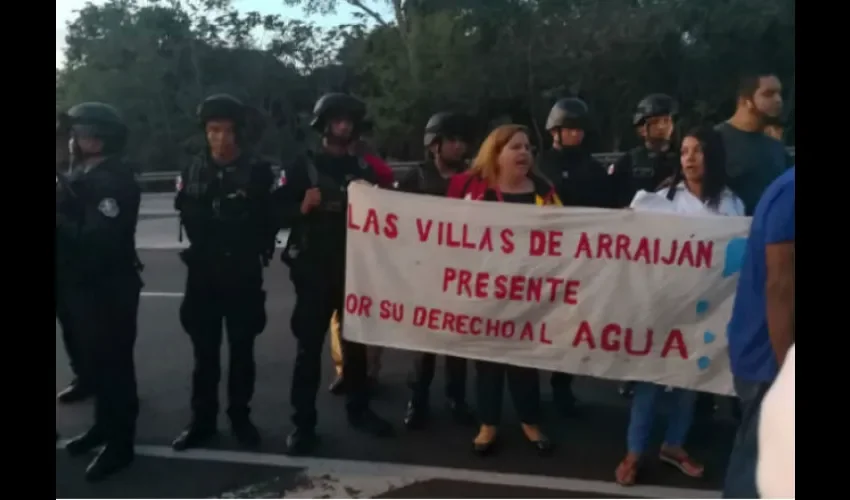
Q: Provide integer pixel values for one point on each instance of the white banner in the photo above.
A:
(614, 294)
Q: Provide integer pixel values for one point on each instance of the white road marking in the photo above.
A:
(309, 485)
(382, 472)
(162, 294)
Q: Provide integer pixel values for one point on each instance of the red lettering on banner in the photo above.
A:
(614, 338)
(675, 341)
(517, 288)
(453, 235)
(687, 253)
(545, 243)
(391, 310)
(387, 225)
(462, 324)
(507, 237)
(358, 305)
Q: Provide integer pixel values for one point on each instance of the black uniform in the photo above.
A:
(95, 229)
(643, 168)
(230, 222)
(580, 181)
(78, 389)
(426, 179)
(315, 254)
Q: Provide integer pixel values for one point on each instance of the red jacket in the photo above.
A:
(382, 171)
(471, 186)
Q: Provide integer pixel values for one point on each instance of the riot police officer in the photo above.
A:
(77, 390)
(648, 165)
(225, 206)
(448, 137)
(313, 203)
(96, 218)
(580, 181)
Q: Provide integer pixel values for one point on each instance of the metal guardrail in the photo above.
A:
(604, 158)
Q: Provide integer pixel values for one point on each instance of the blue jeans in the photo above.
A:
(740, 479)
(643, 416)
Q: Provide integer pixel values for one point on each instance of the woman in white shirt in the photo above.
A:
(699, 188)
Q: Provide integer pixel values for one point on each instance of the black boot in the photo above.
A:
(461, 413)
(245, 432)
(337, 387)
(370, 423)
(113, 458)
(74, 393)
(301, 442)
(85, 443)
(197, 434)
(417, 415)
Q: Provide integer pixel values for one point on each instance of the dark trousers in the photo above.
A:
(69, 337)
(212, 301)
(740, 481)
(562, 391)
(523, 384)
(104, 322)
(423, 374)
(317, 297)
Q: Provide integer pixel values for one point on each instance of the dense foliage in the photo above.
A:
(500, 59)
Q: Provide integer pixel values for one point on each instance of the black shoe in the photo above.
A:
(113, 458)
(301, 442)
(74, 393)
(337, 387)
(416, 417)
(543, 446)
(194, 436)
(245, 432)
(85, 443)
(486, 449)
(461, 414)
(370, 423)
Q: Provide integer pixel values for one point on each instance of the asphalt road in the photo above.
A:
(436, 463)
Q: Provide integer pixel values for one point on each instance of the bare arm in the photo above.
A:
(780, 297)
(779, 259)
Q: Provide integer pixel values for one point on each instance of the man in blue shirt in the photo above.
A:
(761, 330)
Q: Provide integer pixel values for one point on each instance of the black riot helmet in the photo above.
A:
(570, 112)
(654, 105)
(95, 119)
(222, 107)
(449, 124)
(336, 105)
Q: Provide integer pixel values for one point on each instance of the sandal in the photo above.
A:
(683, 462)
(627, 471)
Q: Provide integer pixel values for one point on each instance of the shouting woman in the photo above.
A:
(502, 172)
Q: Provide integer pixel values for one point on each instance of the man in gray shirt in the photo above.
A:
(753, 159)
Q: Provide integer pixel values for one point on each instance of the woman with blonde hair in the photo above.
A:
(503, 172)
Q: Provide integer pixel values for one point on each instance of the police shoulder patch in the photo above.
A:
(108, 207)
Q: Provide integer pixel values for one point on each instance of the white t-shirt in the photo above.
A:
(686, 203)
(776, 464)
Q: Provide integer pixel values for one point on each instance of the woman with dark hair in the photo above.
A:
(698, 188)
